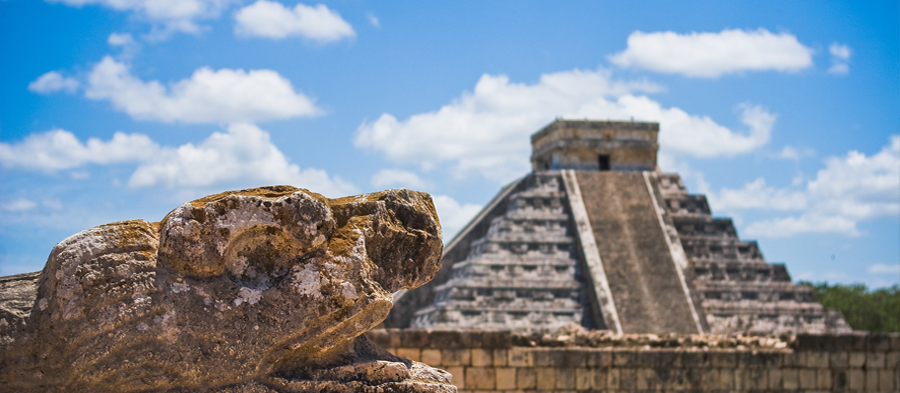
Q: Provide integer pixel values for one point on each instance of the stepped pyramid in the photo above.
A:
(596, 235)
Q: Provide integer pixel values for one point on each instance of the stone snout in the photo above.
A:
(269, 287)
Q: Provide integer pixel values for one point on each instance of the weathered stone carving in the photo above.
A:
(261, 290)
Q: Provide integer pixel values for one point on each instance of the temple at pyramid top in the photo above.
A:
(595, 145)
(597, 236)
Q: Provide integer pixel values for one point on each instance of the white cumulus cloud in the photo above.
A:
(373, 20)
(52, 82)
(757, 195)
(839, 69)
(881, 268)
(710, 55)
(398, 178)
(487, 131)
(18, 205)
(849, 190)
(209, 96)
(840, 57)
(124, 41)
(806, 223)
(169, 15)
(794, 154)
(271, 19)
(60, 149)
(839, 51)
(453, 215)
(243, 154)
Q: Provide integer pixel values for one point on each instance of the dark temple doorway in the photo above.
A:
(604, 163)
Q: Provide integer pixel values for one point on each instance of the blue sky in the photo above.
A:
(786, 114)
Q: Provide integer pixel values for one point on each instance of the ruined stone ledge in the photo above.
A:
(491, 361)
(492, 339)
(857, 341)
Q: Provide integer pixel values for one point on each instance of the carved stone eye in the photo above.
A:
(260, 256)
(252, 238)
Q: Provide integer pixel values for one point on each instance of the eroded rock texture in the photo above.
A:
(261, 290)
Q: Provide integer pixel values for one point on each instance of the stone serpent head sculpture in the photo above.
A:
(267, 289)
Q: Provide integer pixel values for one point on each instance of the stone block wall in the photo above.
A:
(503, 362)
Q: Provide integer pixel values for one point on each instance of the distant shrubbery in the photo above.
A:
(875, 311)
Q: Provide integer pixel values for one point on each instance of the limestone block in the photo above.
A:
(501, 357)
(269, 288)
(458, 373)
(647, 379)
(723, 359)
(505, 378)
(857, 359)
(482, 357)
(598, 379)
(840, 379)
(886, 380)
(776, 378)
(520, 357)
(709, 378)
(839, 359)
(696, 359)
(759, 359)
(565, 378)
(673, 379)
(794, 359)
(409, 353)
(872, 380)
(480, 378)
(875, 360)
(612, 379)
(583, 378)
(856, 379)
(823, 379)
(791, 379)
(807, 379)
(414, 338)
(572, 358)
(650, 359)
(603, 359)
(892, 360)
(542, 357)
(817, 359)
(526, 378)
(456, 357)
(756, 378)
(624, 358)
(741, 376)
(627, 379)
(665, 359)
(726, 379)
(546, 378)
(878, 342)
(693, 376)
(431, 356)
